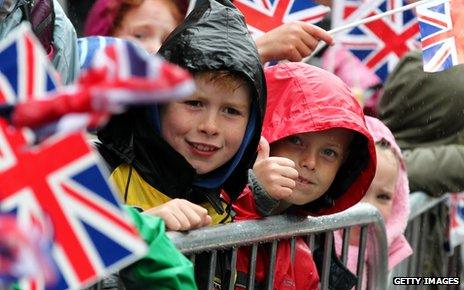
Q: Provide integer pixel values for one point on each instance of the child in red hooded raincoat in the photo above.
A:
(320, 160)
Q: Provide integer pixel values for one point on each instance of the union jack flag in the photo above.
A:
(341, 10)
(456, 214)
(25, 71)
(442, 40)
(264, 15)
(380, 44)
(92, 235)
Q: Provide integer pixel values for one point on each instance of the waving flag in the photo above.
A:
(442, 36)
(264, 15)
(24, 68)
(89, 46)
(342, 10)
(380, 44)
(62, 179)
(116, 74)
(456, 214)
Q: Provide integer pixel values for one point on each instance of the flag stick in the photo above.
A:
(322, 44)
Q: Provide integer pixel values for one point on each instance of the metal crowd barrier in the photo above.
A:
(272, 229)
(422, 209)
(230, 237)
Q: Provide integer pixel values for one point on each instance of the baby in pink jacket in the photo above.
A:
(389, 192)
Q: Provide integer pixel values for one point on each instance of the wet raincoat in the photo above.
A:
(147, 170)
(398, 247)
(304, 98)
(425, 113)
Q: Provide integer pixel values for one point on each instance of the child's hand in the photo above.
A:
(291, 41)
(181, 215)
(276, 174)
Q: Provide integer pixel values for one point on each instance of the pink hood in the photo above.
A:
(398, 247)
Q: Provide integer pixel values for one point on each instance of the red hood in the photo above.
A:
(304, 98)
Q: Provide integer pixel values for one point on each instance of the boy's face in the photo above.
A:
(317, 157)
(207, 128)
(149, 24)
(382, 189)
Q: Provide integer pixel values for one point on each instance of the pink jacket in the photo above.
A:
(398, 247)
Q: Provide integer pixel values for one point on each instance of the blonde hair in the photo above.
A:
(224, 79)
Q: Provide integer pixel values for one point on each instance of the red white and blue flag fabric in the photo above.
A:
(24, 251)
(456, 214)
(116, 74)
(342, 10)
(25, 70)
(62, 181)
(442, 35)
(381, 43)
(264, 15)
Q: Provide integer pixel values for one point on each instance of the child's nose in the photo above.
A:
(208, 125)
(152, 45)
(308, 160)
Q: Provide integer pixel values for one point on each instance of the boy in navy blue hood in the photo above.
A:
(173, 158)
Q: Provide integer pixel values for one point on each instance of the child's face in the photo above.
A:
(149, 24)
(207, 128)
(317, 157)
(382, 189)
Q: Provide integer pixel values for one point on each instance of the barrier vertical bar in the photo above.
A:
(360, 262)
(270, 272)
(212, 269)
(326, 260)
(233, 268)
(345, 246)
(252, 267)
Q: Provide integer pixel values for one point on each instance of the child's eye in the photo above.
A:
(384, 196)
(193, 103)
(138, 36)
(232, 111)
(295, 140)
(329, 153)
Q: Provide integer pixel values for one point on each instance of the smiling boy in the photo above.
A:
(174, 160)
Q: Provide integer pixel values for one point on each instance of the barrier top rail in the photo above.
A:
(421, 202)
(271, 228)
(286, 226)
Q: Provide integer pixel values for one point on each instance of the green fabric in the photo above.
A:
(164, 267)
(425, 112)
(436, 170)
(423, 109)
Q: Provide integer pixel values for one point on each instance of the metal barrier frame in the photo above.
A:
(272, 229)
(420, 205)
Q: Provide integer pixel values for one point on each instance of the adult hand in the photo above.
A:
(181, 215)
(291, 41)
(277, 175)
